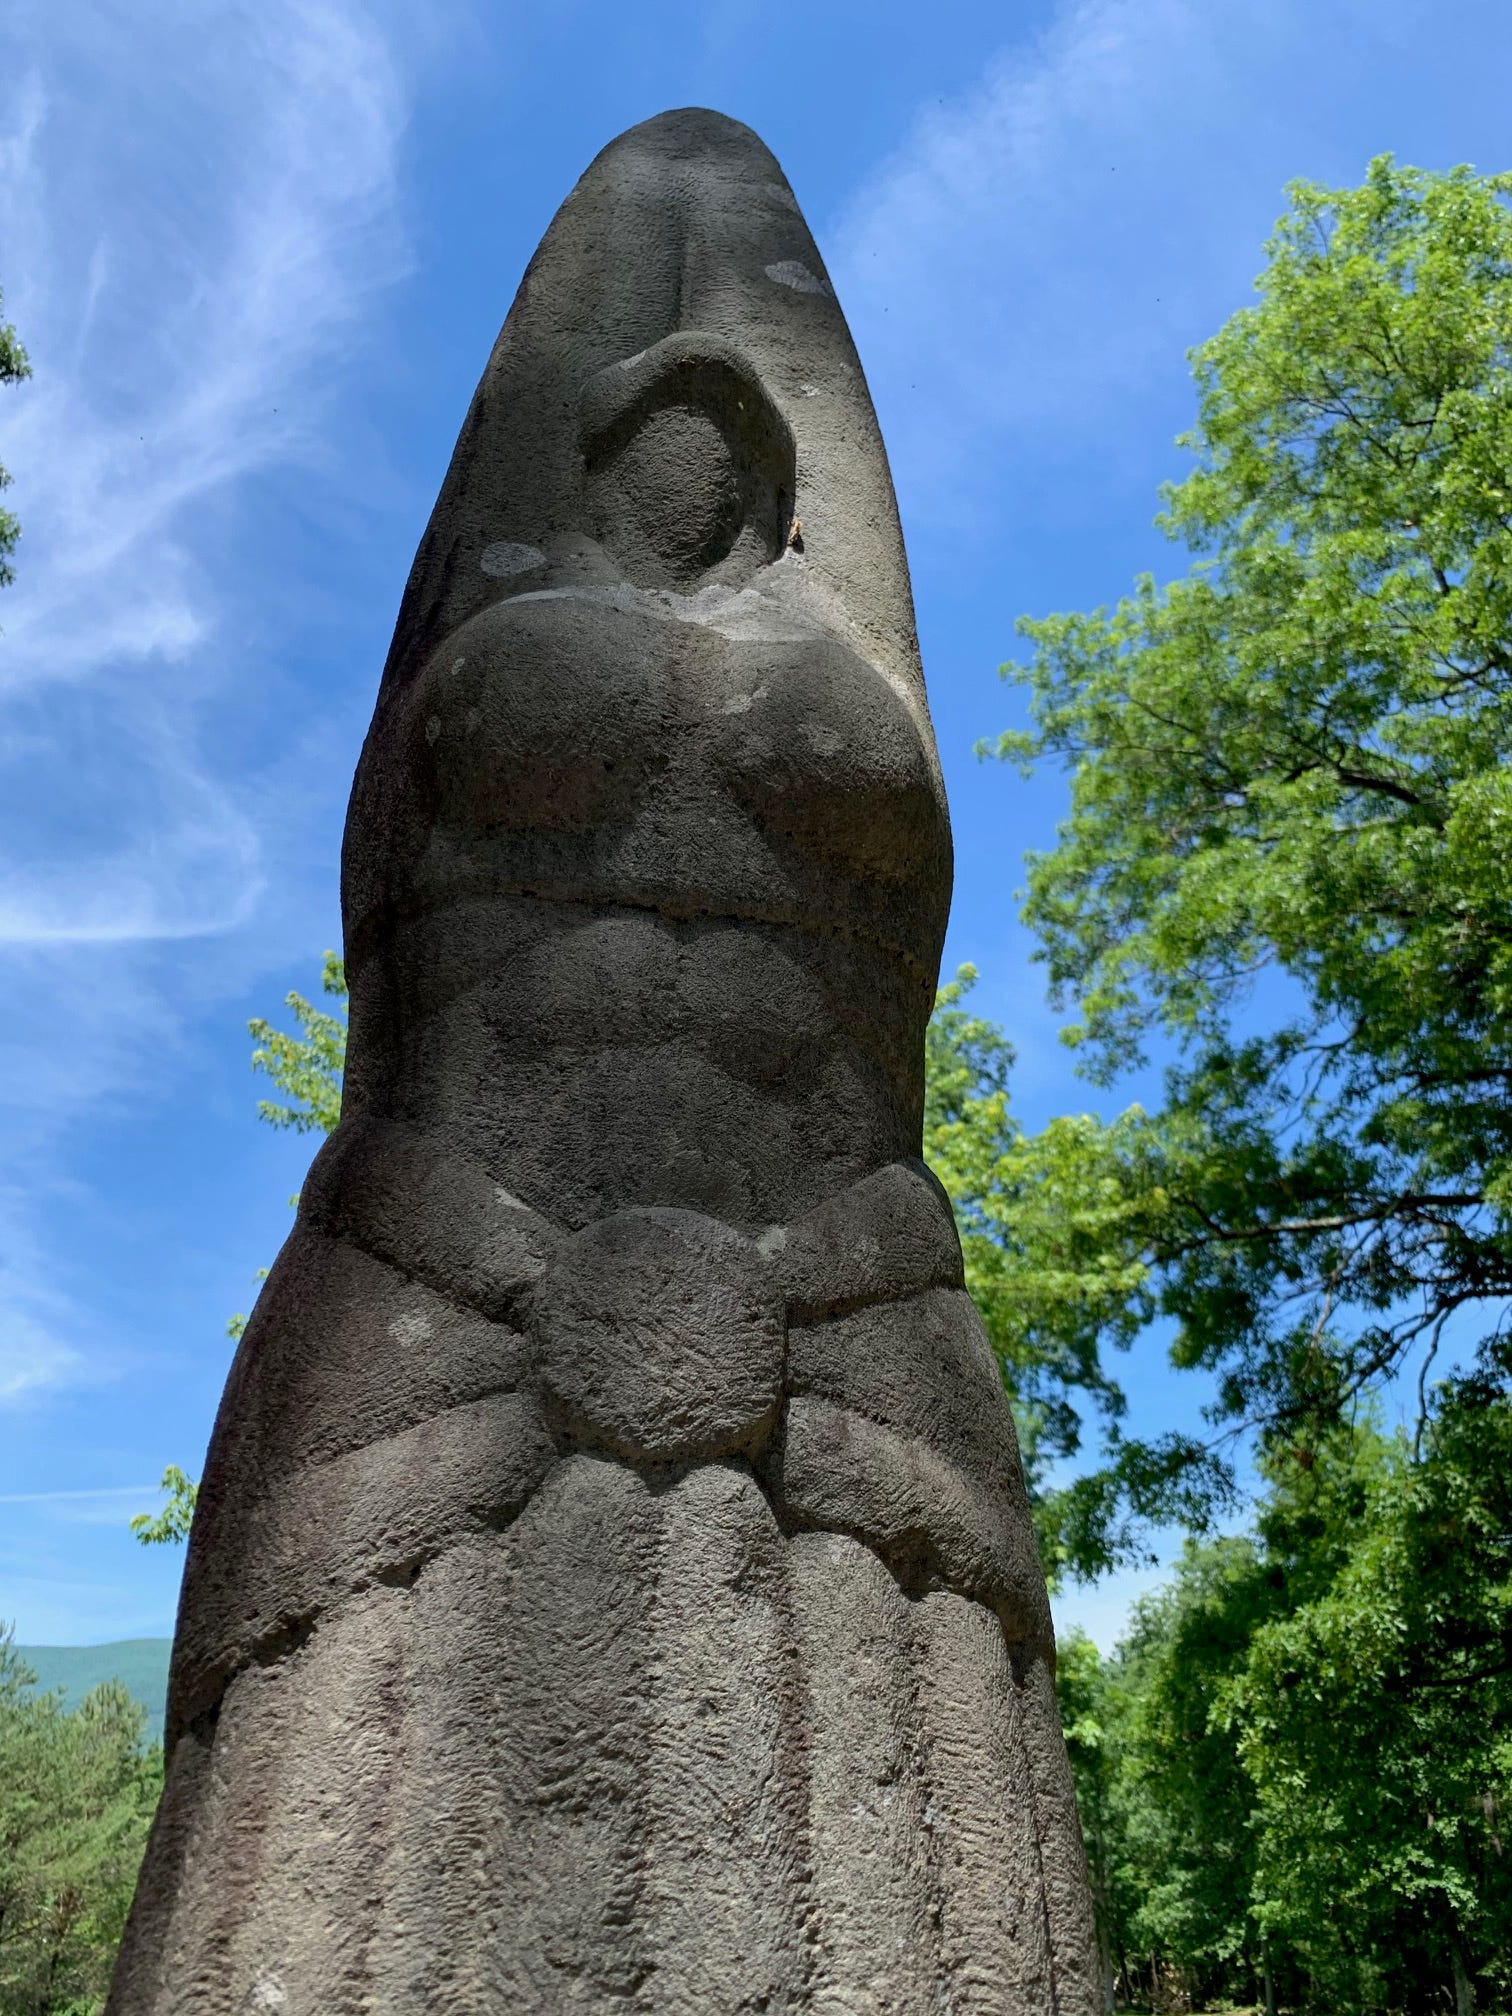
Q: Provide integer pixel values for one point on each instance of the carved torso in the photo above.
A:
(624, 849)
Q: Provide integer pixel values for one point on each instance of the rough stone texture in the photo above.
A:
(660, 1337)
(613, 1586)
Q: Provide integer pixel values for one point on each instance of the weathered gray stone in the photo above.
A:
(724, 1825)
(402, 1196)
(886, 1238)
(875, 1899)
(613, 1586)
(660, 1337)
(997, 1946)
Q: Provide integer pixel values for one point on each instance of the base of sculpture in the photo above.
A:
(483, 1716)
(641, 1752)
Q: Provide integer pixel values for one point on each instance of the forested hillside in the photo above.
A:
(77, 1793)
(139, 1664)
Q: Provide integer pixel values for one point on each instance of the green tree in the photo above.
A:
(1373, 1713)
(1050, 1269)
(1094, 1702)
(1289, 849)
(307, 1069)
(1055, 1229)
(13, 368)
(169, 1525)
(1293, 1774)
(1186, 1800)
(77, 1794)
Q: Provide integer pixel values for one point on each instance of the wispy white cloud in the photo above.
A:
(181, 286)
(110, 1492)
(39, 1325)
(980, 257)
(32, 1362)
(108, 1507)
(1038, 255)
(199, 207)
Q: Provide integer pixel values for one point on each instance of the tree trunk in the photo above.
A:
(1105, 1966)
(1268, 1978)
(1464, 1987)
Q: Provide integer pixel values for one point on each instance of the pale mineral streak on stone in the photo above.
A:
(739, 614)
(793, 273)
(508, 556)
(404, 1195)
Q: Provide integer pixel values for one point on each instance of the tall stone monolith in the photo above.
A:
(613, 1587)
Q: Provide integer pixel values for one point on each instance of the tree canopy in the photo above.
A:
(307, 1069)
(1054, 1230)
(1294, 1774)
(1288, 857)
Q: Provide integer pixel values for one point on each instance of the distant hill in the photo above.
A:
(142, 1663)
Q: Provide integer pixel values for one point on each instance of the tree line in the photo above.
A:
(1293, 1771)
(1285, 876)
(77, 1794)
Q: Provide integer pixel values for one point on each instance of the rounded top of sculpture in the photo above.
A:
(691, 131)
(674, 402)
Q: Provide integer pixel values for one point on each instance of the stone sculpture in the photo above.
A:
(613, 1586)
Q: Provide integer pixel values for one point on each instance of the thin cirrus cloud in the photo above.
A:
(180, 268)
(36, 1359)
(32, 1361)
(198, 204)
(1027, 271)
(984, 258)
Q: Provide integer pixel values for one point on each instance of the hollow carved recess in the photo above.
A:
(689, 467)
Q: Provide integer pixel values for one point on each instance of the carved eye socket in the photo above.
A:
(689, 466)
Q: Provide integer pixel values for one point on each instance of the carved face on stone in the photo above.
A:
(674, 386)
(689, 469)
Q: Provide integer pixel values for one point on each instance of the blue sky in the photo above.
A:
(259, 254)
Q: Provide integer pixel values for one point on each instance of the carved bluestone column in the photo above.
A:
(613, 1586)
